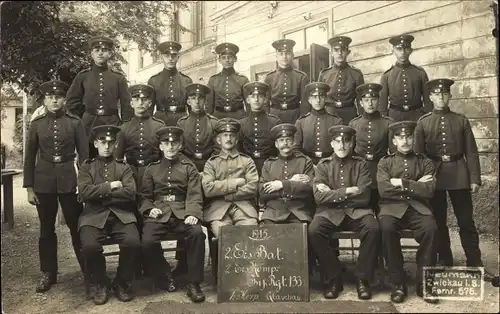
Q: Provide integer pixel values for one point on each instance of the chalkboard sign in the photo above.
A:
(264, 263)
(454, 283)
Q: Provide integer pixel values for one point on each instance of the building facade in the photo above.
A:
(452, 39)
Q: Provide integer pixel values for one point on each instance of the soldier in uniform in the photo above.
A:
(172, 202)
(138, 143)
(169, 85)
(372, 129)
(342, 194)
(447, 138)
(226, 97)
(198, 126)
(255, 135)
(406, 182)
(287, 85)
(50, 175)
(107, 187)
(312, 135)
(403, 86)
(343, 79)
(97, 91)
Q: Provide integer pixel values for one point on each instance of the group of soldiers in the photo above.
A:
(181, 154)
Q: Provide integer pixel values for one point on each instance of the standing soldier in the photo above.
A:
(343, 80)
(255, 135)
(172, 202)
(169, 85)
(287, 85)
(226, 97)
(406, 182)
(50, 175)
(342, 191)
(198, 126)
(138, 143)
(108, 188)
(372, 129)
(403, 85)
(97, 91)
(446, 137)
(312, 128)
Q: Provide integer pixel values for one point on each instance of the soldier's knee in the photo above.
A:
(430, 228)
(313, 230)
(91, 247)
(387, 224)
(131, 241)
(372, 225)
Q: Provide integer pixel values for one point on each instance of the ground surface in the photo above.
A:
(20, 271)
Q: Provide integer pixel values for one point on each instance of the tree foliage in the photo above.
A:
(43, 40)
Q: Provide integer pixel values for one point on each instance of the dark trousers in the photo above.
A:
(47, 212)
(426, 234)
(128, 239)
(374, 200)
(319, 232)
(463, 209)
(194, 240)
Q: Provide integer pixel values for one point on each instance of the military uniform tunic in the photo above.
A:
(97, 91)
(226, 98)
(312, 137)
(404, 93)
(198, 135)
(342, 98)
(296, 197)
(256, 139)
(170, 95)
(287, 93)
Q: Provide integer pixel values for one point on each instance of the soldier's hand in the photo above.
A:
(155, 213)
(426, 178)
(396, 182)
(240, 181)
(273, 186)
(474, 187)
(352, 190)
(323, 187)
(32, 198)
(191, 220)
(116, 185)
(300, 177)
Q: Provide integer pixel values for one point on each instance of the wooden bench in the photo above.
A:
(8, 197)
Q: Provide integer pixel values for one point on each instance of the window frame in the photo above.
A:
(306, 26)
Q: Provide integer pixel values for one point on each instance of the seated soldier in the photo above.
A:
(172, 202)
(342, 193)
(406, 182)
(108, 190)
(285, 186)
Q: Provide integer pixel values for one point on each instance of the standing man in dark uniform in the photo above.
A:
(403, 86)
(372, 129)
(107, 187)
(406, 182)
(172, 201)
(447, 138)
(255, 134)
(50, 175)
(170, 85)
(342, 194)
(96, 91)
(287, 85)
(312, 136)
(198, 126)
(343, 80)
(226, 98)
(138, 143)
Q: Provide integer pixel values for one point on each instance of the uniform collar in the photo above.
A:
(341, 66)
(235, 153)
(321, 112)
(145, 117)
(258, 113)
(169, 162)
(56, 114)
(372, 116)
(105, 159)
(410, 154)
(290, 157)
(98, 68)
(170, 71)
(198, 114)
(441, 112)
(287, 69)
(228, 71)
(403, 65)
(337, 158)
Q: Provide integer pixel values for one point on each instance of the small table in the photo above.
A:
(8, 197)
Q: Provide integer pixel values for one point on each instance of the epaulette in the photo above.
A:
(324, 70)
(424, 116)
(356, 69)
(125, 121)
(117, 71)
(157, 120)
(120, 160)
(184, 117)
(273, 116)
(419, 68)
(386, 156)
(298, 153)
(357, 158)
(304, 115)
(185, 160)
(183, 74)
(325, 159)
(89, 161)
(212, 157)
(334, 115)
(272, 158)
(356, 118)
(389, 69)
(239, 74)
(270, 72)
(69, 114)
(299, 71)
(386, 117)
(212, 117)
(84, 70)
(214, 75)
(39, 117)
(155, 75)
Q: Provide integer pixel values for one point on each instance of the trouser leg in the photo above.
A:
(72, 209)
(47, 243)
(391, 244)
(439, 207)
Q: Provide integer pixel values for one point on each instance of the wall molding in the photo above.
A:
(235, 5)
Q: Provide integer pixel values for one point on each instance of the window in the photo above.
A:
(192, 24)
(147, 58)
(205, 28)
(304, 37)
